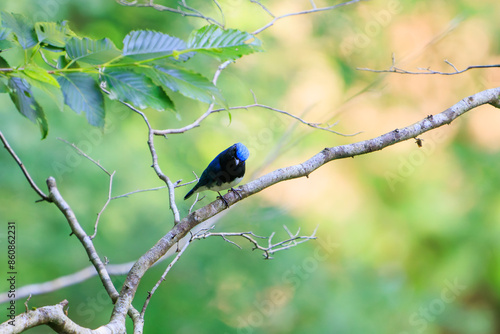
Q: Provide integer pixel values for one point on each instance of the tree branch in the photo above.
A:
(304, 169)
(314, 9)
(56, 318)
(292, 241)
(394, 69)
(189, 11)
(24, 170)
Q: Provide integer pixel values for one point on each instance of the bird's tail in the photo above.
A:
(190, 193)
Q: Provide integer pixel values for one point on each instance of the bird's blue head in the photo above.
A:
(242, 152)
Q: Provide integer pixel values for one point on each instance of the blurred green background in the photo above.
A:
(408, 238)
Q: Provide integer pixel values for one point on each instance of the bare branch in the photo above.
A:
(85, 155)
(170, 265)
(309, 11)
(55, 317)
(82, 236)
(24, 170)
(105, 205)
(26, 303)
(111, 175)
(170, 185)
(287, 173)
(138, 191)
(254, 105)
(394, 69)
(251, 237)
(188, 11)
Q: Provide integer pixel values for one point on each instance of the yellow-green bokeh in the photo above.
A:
(408, 238)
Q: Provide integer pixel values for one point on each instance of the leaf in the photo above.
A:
(95, 52)
(188, 83)
(223, 44)
(40, 74)
(3, 63)
(22, 27)
(54, 92)
(4, 35)
(3, 86)
(82, 93)
(147, 44)
(23, 98)
(136, 88)
(53, 34)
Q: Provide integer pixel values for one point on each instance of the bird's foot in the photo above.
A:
(236, 191)
(223, 199)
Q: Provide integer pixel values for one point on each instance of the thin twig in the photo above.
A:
(85, 155)
(156, 166)
(154, 156)
(254, 105)
(271, 247)
(140, 191)
(26, 303)
(170, 265)
(105, 205)
(23, 169)
(189, 11)
(309, 11)
(394, 69)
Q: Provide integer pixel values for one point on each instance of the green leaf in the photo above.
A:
(95, 52)
(62, 62)
(223, 44)
(3, 86)
(147, 44)
(53, 34)
(3, 63)
(186, 82)
(4, 36)
(136, 88)
(82, 93)
(22, 28)
(54, 92)
(40, 74)
(23, 98)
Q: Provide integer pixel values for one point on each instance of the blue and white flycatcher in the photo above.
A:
(224, 172)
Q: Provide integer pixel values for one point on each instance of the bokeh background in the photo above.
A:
(408, 238)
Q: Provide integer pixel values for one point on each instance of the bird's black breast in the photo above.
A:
(230, 168)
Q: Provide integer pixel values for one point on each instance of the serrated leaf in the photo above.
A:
(223, 44)
(136, 88)
(147, 44)
(22, 28)
(21, 95)
(53, 34)
(95, 52)
(186, 82)
(82, 94)
(40, 74)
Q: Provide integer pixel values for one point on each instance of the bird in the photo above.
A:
(224, 172)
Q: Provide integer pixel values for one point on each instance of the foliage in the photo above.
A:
(149, 67)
